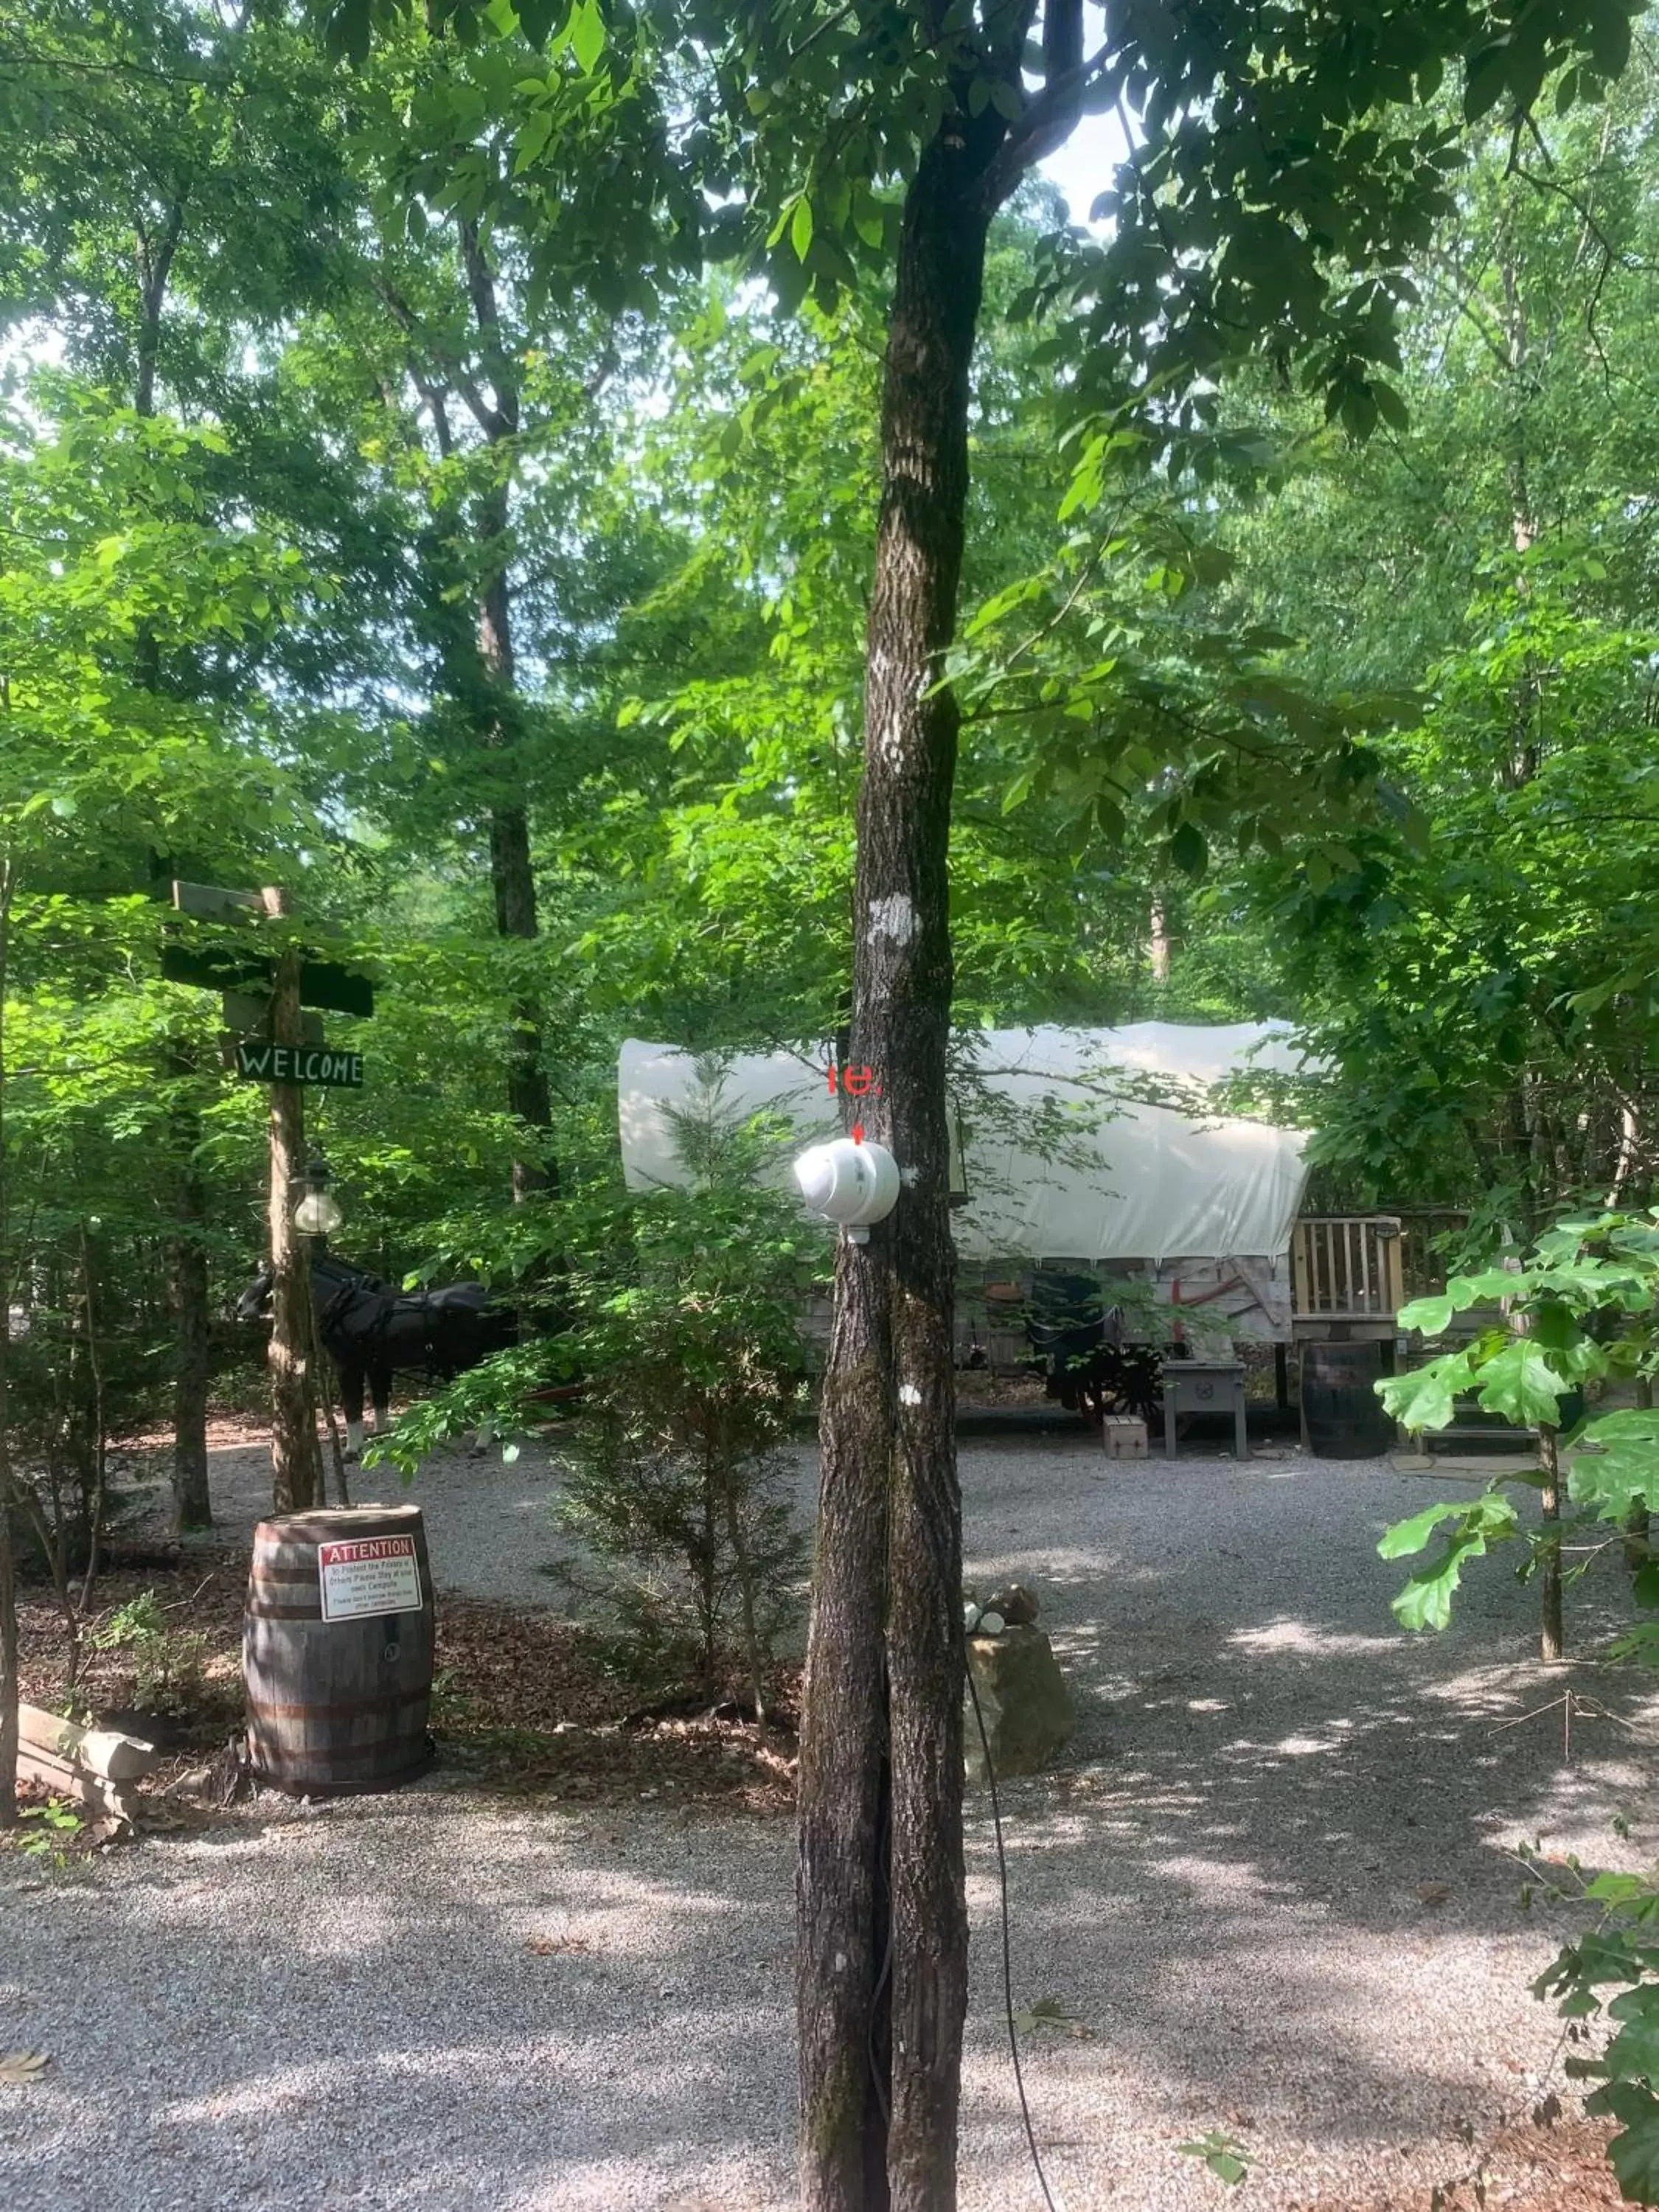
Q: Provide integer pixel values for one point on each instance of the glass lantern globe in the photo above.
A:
(318, 1213)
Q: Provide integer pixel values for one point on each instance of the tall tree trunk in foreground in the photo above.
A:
(188, 1286)
(9, 1684)
(512, 873)
(295, 1460)
(1551, 1641)
(882, 1950)
(153, 254)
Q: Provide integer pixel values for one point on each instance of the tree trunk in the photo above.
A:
(188, 1269)
(187, 1256)
(512, 874)
(1551, 1643)
(1158, 940)
(296, 1463)
(8, 1683)
(1639, 1525)
(882, 1991)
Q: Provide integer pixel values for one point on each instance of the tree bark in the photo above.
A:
(187, 1254)
(296, 1463)
(1551, 1641)
(8, 1682)
(512, 875)
(882, 1953)
(1639, 1525)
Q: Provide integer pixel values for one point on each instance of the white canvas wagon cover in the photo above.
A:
(1058, 1162)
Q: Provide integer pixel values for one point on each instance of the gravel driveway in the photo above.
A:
(435, 2002)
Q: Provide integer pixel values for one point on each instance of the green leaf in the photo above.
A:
(1228, 2161)
(1520, 1383)
(1634, 2153)
(1407, 1536)
(587, 34)
(1426, 1601)
(1428, 1316)
(1425, 1397)
(1614, 1480)
(800, 228)
(1190, 849)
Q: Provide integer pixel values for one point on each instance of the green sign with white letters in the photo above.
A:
(260, 1062)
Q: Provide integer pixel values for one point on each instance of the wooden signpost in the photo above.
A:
(286, 1058)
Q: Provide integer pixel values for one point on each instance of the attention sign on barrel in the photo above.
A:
(367, 1575)
(336, 1649)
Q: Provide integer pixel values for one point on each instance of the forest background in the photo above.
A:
(480, 549)
(518, 633)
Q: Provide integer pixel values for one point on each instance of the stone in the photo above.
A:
(1016, 1603)
(1023, 1698)
(990, 1624)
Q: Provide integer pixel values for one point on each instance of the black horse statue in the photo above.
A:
(371, 1330)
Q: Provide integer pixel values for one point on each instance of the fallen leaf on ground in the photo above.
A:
(1048, 2012)
(18, 2068)
(546, 1947)
(1433, 1893)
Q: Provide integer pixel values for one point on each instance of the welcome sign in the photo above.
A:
(257, 1062)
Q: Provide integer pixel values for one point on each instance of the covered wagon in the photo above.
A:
(1079, 1154)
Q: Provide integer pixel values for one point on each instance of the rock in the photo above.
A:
(1023, 1698)
(969, 1615)
(990, 1624)
(1016, 1603)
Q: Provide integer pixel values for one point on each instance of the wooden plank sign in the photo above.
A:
(214, 904)
(258, 1061)
(337, 990)
(364, 1576)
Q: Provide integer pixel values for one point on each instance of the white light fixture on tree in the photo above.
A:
(851, 1182)
(318, 1213)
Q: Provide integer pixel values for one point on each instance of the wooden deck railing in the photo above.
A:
(1345, 1266)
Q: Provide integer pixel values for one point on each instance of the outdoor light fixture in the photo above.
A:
(318, 1213)
(851, 1182)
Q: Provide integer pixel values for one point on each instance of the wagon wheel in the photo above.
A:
(1113, 1379)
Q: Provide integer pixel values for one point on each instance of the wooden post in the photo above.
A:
(296, 1464)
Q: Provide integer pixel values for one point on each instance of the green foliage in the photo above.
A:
(43, 1829)
(1618, 1952)
(1426, 1601)
(1580, 1308)
(678, 1488)
(1227, 2160)
(169, 1664)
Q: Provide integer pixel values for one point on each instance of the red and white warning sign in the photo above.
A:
(362, 1575)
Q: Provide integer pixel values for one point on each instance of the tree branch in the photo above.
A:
(410, 323)
(1048, 121)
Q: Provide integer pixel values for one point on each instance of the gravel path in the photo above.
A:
(342, 2008)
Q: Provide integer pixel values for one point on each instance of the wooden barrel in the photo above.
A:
(336, 1649)
(1343, 1413)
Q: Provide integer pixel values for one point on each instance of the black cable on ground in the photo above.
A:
(1007, 1960)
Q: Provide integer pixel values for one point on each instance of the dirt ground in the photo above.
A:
(1266, 1885)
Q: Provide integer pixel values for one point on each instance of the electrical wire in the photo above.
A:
(1007, 1959)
